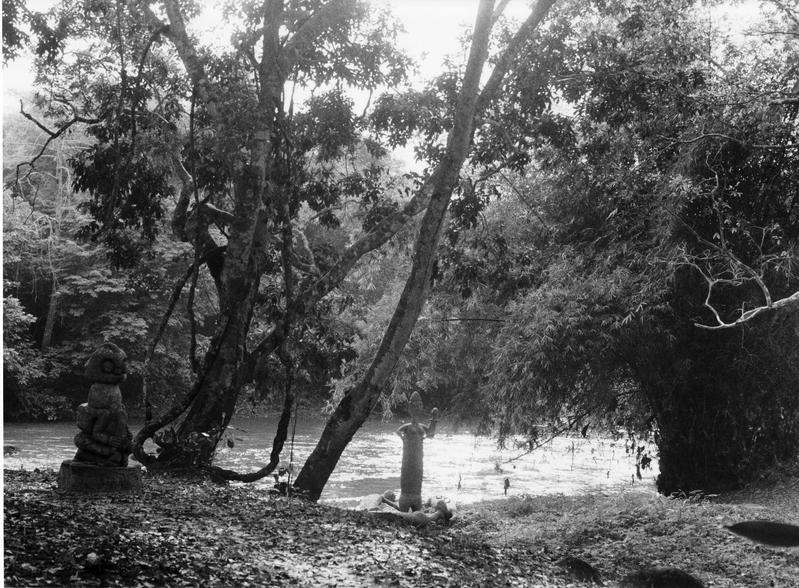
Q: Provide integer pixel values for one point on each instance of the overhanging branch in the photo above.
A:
(510, 53)
(747, 315)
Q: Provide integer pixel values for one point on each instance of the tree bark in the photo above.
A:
(318, 288)
(49, 325)
(214, 397)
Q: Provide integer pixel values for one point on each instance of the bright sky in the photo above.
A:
(433, 29)
(434, 26)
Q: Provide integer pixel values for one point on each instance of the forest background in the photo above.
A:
(619, 248)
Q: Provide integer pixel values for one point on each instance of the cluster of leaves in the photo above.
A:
(20, 24)
(320, 142)
(19, 358)
(92, 304)
(110, 75)
(124, 163)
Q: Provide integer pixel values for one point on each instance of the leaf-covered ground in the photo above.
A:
(178, 533)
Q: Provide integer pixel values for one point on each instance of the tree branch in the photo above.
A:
(748, 315)
(736, 269)
(499, 9)
(703, 136)
(51, 136)
(505, 60)
(176, 32)
(735, 280)
(390, 225)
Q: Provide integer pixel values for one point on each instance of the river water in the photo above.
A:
(458, 465)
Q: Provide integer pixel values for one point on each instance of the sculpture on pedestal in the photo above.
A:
(104, 440)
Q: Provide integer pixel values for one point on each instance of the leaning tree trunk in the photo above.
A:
(358, 403)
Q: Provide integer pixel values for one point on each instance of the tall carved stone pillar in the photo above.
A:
(412, 471)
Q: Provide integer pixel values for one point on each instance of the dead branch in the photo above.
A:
(739, 272)
(746, 315)
(703, 136)
(52, 135)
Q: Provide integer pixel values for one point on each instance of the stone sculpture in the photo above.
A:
(104, 439)
(410, 508)
(413, 435)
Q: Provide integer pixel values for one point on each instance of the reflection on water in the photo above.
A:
(457, 465)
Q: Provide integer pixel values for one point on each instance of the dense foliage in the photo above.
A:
(584, 272)
(631, 183)
(211, 144)
(73, 299)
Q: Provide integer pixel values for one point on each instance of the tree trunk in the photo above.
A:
(358, 403)
(312, 292)
(219, 385)
(237, 277)
(52, 307)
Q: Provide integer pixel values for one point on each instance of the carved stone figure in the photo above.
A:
(104, 437)
(104, 440)
(413, 435)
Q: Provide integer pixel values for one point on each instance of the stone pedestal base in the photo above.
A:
(77, 476)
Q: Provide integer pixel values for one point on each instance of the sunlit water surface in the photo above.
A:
(456, 464)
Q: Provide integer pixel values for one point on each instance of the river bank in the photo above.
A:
(177, 533)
